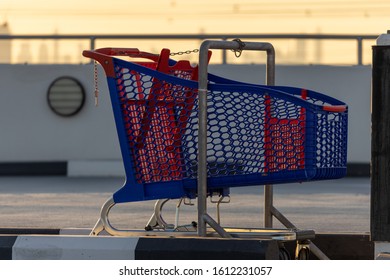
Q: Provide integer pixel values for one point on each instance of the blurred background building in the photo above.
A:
(5, 45)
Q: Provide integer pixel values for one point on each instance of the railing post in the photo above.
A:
(224, 54)
(360, 50)
(92, 43)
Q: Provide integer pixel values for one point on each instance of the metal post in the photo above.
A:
(224, 55)
(202, 138)
(360, 50)
(269, 189)
(203, 217)
(92, 43)
(268, 205)
(380, 143)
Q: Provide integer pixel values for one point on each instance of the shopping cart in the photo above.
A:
(177, 143)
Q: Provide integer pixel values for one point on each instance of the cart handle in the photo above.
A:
(131, 52)
(105, 57)
(335, 108)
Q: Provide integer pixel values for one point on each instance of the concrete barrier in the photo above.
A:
(58, 247)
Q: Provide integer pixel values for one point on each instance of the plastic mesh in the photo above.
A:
(331, 139)
(154, 115)
(246, 135)
(250, 130)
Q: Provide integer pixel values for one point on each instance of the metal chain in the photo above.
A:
(241, 46)
(95, 80)
(185, 52)
(237, 52)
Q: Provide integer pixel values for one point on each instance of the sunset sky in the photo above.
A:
(183, 16)
(193, 17)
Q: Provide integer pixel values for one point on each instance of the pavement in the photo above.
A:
(337, 206)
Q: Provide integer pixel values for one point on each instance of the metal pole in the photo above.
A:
(92, 43)
(269, 189)
(216, 226)
(224, 55)
(202, 92)
(268, 205)
(202, 138)
(360, 50)
(380, 144)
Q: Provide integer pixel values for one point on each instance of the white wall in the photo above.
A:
(30, 131)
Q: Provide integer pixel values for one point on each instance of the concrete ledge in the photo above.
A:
(31, 247)
(206, 249)
(337, 246)
(24, 231)
(110, 168)
(57, 247)
(56, 168)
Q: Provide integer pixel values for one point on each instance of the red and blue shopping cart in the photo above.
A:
(185, 133)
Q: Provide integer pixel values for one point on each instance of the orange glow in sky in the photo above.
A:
(27, 17)
(207, 16)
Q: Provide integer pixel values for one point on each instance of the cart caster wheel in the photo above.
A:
(194, 224)
(303, 254)
(284, 254)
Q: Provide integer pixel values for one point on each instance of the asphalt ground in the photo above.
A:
(337, 206)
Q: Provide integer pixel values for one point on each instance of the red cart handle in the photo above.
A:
(131, 52)
(105, 57)
(335, 108)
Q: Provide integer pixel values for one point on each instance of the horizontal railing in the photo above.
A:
(93, 38)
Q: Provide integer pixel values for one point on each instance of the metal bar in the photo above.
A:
(278, 215)
(268, 204)
(224, 54)
(270, 69)
(194, 36)
(94, 37)
(313, 248)
(202, 92)
(317, 252)
(216, 226)
(360, 50)
(268, 189)
(224, 57)
(202, 138)
(92, 43)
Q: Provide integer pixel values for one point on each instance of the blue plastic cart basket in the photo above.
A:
(256, 134)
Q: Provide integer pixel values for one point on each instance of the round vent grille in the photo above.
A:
(66, 96)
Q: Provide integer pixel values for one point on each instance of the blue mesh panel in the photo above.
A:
(259, 133)
(255, 134)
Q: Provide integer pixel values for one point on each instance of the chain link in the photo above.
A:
(241, 46)
(95, 80)
(185, 52)
(237, 52)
